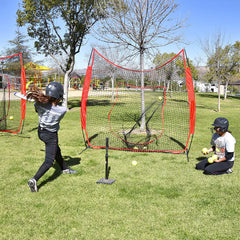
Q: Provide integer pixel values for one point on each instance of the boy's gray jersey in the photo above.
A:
(49, 115)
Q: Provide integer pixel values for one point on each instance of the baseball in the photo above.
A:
(11, 117)
(204, 150)
(210, 160)
(134, 163)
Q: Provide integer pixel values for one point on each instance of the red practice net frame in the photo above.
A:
(158, 116)
(12, 79)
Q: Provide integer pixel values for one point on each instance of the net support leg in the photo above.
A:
(106, 180)
(87, 147)
(4, 109)
(187, 155)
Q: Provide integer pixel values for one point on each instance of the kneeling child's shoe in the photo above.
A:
(69, 171)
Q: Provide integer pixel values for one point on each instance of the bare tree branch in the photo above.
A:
(141, 26)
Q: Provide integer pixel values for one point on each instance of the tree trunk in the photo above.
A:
(219, 96)
(142, 127)
(65, 89)
(66, 82)
(112, 81)
(225, 90)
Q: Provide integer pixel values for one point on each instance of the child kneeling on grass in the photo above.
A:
(223, 144)
(50, 114)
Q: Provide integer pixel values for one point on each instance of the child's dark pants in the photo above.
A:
(214, 168)
(52, 152)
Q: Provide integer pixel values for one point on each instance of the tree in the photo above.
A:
(161, 59)
(118, 57)
(223, 62)
(19, 45)
(231, 64)
(59, 27)
(213, 50)
(141, 26)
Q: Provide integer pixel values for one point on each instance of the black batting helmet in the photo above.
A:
(55, 89)
(222, 123)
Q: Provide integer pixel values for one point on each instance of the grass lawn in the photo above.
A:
(163, 197)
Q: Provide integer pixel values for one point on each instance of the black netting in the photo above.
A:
(118, 103)
(10, 82)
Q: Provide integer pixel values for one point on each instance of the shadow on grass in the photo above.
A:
(70, 162)
(74, 104)
(18, 135)
(208, 95)
(206, 107)
(200, 158)
(90, 102)
(33, 129)
(215, 95)
(234, 97)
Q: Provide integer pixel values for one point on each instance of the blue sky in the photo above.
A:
(205, 18)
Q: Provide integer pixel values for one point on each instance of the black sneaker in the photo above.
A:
(68, 171)
(229, 171)
(32, 183)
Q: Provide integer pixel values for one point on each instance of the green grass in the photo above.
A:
(163, 197)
